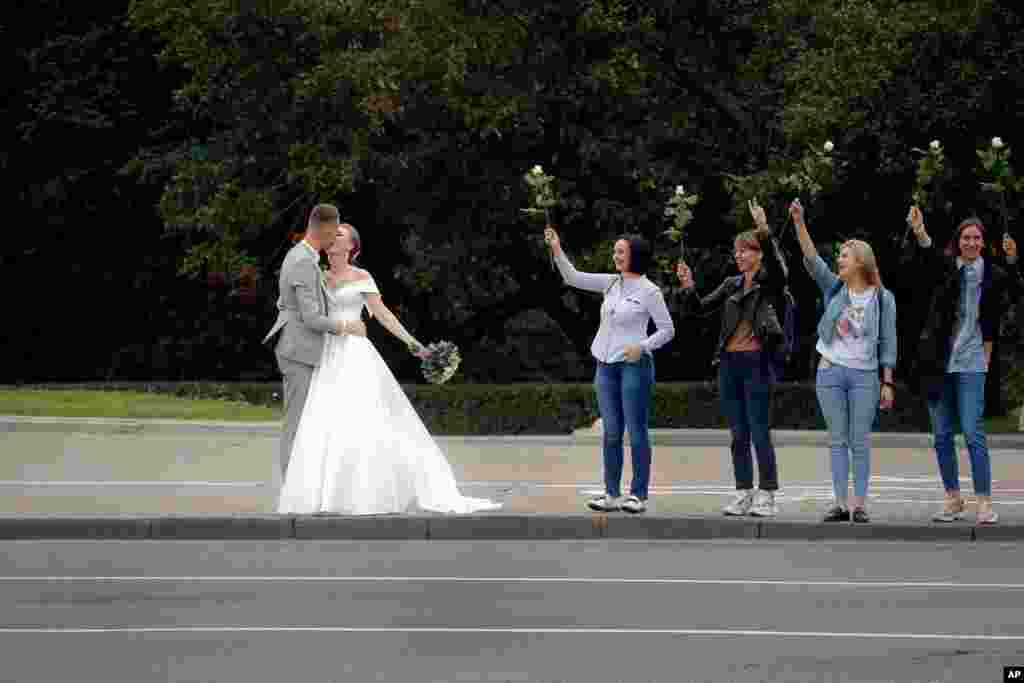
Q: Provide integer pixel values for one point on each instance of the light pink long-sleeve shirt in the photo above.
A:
(628, 306)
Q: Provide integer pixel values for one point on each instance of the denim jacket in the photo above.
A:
(834, 306)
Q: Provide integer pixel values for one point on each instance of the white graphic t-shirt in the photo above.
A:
(849, 346)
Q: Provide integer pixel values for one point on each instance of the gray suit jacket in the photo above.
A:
(302, 310)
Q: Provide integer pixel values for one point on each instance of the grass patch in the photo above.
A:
(127, 404)
(1004, 424)
(459, 409)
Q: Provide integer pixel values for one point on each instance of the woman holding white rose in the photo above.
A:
(856, 340)
(750, 333)
(625, 365)
(969, 294)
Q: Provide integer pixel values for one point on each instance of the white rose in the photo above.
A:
(680, 191)
(537, 170)
(997, 143)
(829, 146)
(936, 145)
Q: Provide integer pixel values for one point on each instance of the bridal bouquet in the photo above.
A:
(441, 362)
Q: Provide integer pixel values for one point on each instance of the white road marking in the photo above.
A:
(797, 497)
(69, 482)
(314, 578)
(810, 491)
(708, 488)
(814, 489)
(921, 482)
(510, 630)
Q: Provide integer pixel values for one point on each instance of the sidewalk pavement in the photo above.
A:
(164, 479)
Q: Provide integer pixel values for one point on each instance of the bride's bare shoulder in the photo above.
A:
(362, 274)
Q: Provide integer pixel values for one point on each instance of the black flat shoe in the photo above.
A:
(837, 514)
(860, 517)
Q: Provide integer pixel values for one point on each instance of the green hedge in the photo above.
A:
(465, 409)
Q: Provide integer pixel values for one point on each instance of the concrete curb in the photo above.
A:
(484, 527)
(659, 437)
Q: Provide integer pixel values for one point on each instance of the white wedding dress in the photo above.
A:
(360, 448)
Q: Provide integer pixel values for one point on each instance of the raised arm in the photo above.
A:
(1016, 281)
(591, 282)
(926, 257)
(383, 314)
(796, 212)
(774, 265)
(815, 265)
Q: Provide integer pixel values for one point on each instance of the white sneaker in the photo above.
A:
(740, 504)
(603, 503)
(764, 505)
(634, 505)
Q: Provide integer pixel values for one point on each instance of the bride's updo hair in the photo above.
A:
(357, 242)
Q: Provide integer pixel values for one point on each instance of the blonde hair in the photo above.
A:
(865, 256)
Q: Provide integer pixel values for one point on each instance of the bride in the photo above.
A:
(361, 448)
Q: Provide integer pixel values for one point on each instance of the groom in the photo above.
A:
(302, 319)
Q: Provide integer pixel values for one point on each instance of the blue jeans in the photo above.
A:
(963, 395)
(745, 382)
(849, 401)
(624, 398)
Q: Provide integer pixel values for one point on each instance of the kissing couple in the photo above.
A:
(352, 443)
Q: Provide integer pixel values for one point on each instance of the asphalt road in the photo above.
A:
(291, 611)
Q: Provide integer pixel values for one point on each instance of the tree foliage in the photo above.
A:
(435, 109)
(420, 117)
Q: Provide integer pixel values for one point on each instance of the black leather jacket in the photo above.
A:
(761, 305)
